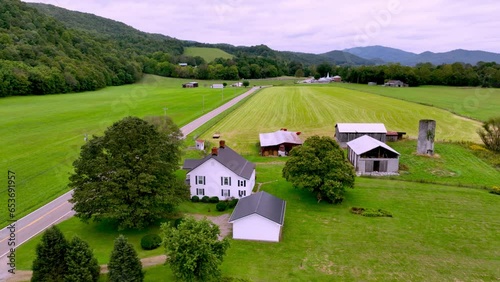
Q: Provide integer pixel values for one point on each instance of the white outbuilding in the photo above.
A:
(369, 155)
(258, 217)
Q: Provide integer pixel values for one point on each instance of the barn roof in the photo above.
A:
(361, 127)
(279, 137)
(366, 143)
(261, 203)
(228, 158)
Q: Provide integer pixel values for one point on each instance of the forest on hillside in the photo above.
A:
(45, 49)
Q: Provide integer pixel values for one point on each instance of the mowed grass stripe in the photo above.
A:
(315, 110)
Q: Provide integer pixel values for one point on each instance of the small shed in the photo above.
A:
(371, 83)
(200, 144)
(369, 155)
(258, 217)
(183, 64)
(191, 84)
(337, 78)
(345, 132)
(393, 136)
(395, 83)
(217, 85)
(279, 143)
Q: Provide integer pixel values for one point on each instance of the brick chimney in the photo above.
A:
(298, 132)
(222, 144)
(215, 151)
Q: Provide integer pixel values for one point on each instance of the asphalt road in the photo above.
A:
(60, 209)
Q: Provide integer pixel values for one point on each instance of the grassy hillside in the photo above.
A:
(315, 110)
(474, 102)
(42, 135)
(209, 54)
(437, 233)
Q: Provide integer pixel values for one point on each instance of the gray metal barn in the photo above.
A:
(345, 132)
(369, 155)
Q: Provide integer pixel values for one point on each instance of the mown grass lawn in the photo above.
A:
(42, 135)
(437, 233)
(475, 102)
(315, 110)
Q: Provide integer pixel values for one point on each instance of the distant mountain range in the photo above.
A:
(370, 55)
(381, 55)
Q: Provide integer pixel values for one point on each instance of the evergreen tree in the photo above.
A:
(82, 265)
(124, 265)
(49, 264)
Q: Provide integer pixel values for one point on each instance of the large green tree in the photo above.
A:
(124, 264)
(50, 263)
(193, 249)
(320, 166)
(127, 175)
(490, 134)
(82, 265)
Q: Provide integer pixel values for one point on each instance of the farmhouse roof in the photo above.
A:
(361, 127)
(279, 137)
(263, 204)
(228, 158)
(337, 76)
(366, 143)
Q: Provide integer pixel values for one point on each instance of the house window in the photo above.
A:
(200, 192)
(242, 193)
(225, 181)
(200, 180)
(226, 193)
(242, 183)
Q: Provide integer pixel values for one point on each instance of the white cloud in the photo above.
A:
(311, 26)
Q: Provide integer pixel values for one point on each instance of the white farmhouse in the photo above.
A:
(224, 173)
(258, 217)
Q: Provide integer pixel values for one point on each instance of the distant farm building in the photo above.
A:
(395, 83)
(259, 217)
(393, 136)
(372, 83)
(237, 84)
(345, 132)
(337, 78)
(200, 145)
(191, 84)
(217, 85)
(369, 155)
(278, 143)
(183, 64)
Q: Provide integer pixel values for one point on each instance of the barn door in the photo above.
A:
(368, 166)
(383, 166)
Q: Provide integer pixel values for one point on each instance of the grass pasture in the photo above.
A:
(209, 54)
(474, 102)
(42, 135)
(315, 110)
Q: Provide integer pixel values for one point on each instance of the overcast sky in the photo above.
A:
(311, 26)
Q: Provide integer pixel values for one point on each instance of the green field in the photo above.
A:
(474, 102)
(315, 110)
(209, 54)
(42, 135)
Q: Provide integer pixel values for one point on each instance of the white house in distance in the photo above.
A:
(217, 85)
(224, 173)
(369, 155)
(258, 217)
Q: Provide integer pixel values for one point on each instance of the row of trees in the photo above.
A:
(59, 260)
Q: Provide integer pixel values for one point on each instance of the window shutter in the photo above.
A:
(222, 192)
(221, 181)
(204, 180)
(229, 181)
(229, 193)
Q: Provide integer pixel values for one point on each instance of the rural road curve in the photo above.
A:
(60, 209)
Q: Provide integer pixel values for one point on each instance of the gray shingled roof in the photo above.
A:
(361, 127)
(263, 204)
(279, 137)
(228, 158)
(366, 143)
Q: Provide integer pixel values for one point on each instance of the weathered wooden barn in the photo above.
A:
(345, 132)
(278, 143)
(369, 155)
(191, 84)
